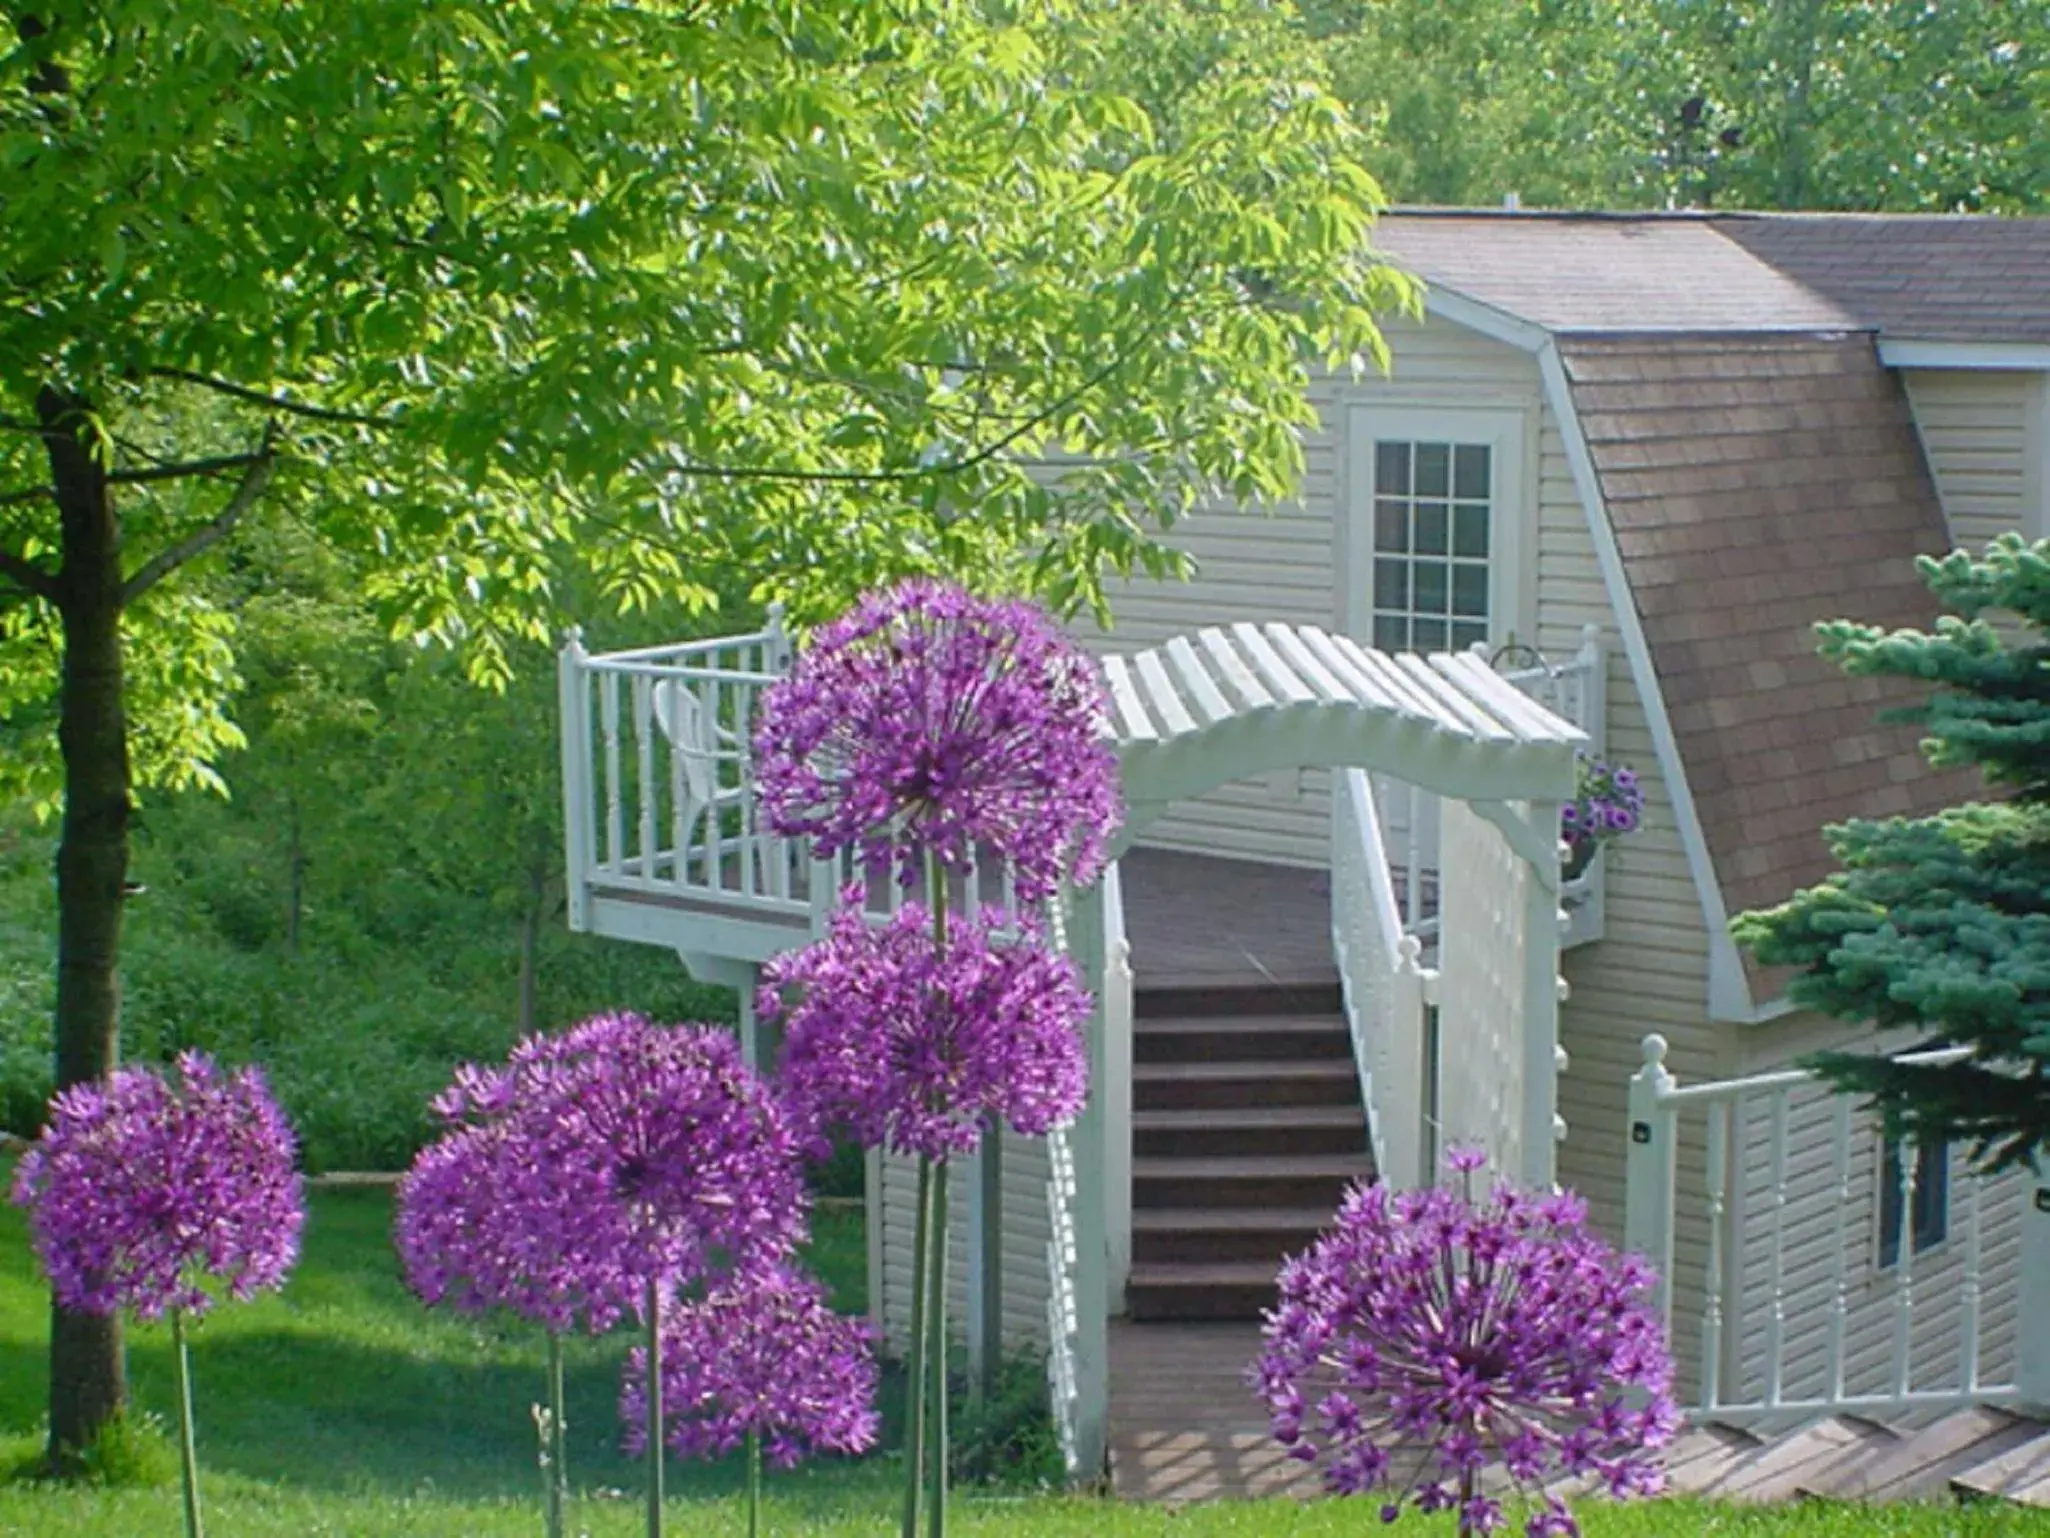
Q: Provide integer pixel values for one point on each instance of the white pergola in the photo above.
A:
(1234, 701)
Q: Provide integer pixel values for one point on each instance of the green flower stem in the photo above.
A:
(558, 1471)
(654, 1299)
(188, 1453)
(936, 1348)
(914, 1429)
(754, 1484)
(936, 1321)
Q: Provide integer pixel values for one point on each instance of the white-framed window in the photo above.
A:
(1437, 499)
(1922, 1210)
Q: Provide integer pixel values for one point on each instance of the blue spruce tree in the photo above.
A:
(1942, 924)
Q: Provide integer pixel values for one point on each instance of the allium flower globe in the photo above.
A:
(759, 1354)
(918, 1050)
(1429, 1336)
(144, 1188)
(594, 1160)
(926, 720)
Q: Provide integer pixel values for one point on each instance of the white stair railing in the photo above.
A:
(1785, 1299)
(1384, 985)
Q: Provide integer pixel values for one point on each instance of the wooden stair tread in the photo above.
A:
(1204, 1273)
(1235, 1025)
(1250, 1117)
(1215, 1219)
(2021, 1473)
(1313, 1068)
(1304, 1166)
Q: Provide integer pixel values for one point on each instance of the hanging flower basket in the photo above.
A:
(1610, 804)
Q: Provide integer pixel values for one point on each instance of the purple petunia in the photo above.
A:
(142, 1190)
(1609, 802)
(594, 1160)
(926, 720)
(759, 1354)
(1427, 1336)
(920, 1050)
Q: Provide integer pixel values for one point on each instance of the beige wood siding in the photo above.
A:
(1976, 427)
(1650, 973)
(1817, 1225)
(1650, 970)
(1288, 563)
(1025, 1241)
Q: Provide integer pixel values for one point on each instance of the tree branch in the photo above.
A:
(262, 466)
(29, 577)
(174, 472)
(27, 494)
(273, 402)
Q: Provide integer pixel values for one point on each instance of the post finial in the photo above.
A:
(1655, 1047)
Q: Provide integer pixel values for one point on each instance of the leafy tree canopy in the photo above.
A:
(1847, 104)
(714, 301)
(1942, 924)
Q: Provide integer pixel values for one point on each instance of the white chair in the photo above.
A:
(697, 743)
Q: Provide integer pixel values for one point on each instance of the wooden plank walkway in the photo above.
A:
(1185, 1427)
(1183, 1424)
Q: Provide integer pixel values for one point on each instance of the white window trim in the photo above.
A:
(1512, 443)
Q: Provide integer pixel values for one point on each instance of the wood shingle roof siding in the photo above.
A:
(1741, 525)
(1950, 278)
(1597, 273)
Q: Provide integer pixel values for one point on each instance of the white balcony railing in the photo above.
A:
(1774, 1244)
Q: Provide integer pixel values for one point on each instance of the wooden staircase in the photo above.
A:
(1247, 1129)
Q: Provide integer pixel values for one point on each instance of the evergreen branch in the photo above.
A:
(261, 467)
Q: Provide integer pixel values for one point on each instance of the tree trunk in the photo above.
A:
(86, 1378)
(1799, 26)
(297, 898)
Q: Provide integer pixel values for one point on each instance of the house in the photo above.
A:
(1650, 451)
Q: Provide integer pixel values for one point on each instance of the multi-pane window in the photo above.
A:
(1931, 1199)
(1433, 517)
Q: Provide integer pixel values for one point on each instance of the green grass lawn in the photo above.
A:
(342, 1407)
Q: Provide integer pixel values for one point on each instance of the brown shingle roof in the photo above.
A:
(1941, 277)
(1600, 272)
(1957, 277)
(1757, 485)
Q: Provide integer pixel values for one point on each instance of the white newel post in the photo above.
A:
(575, 717)
(2032, 1319)
(1089, 943)
(1542, 1127)
(1650, 1169)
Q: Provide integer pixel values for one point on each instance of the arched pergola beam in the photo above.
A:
(1226, 704)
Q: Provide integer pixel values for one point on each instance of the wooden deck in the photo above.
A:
(1195, 921)
(1185, 1427)
(1183, 1424)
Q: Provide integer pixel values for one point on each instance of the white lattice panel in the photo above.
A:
(1484, 887)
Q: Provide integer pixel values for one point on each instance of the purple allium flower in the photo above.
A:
(760, 1353)
(906, 1046)
(142, 1190)
(1437, 1335)
(594, 1160)
(926, 720)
